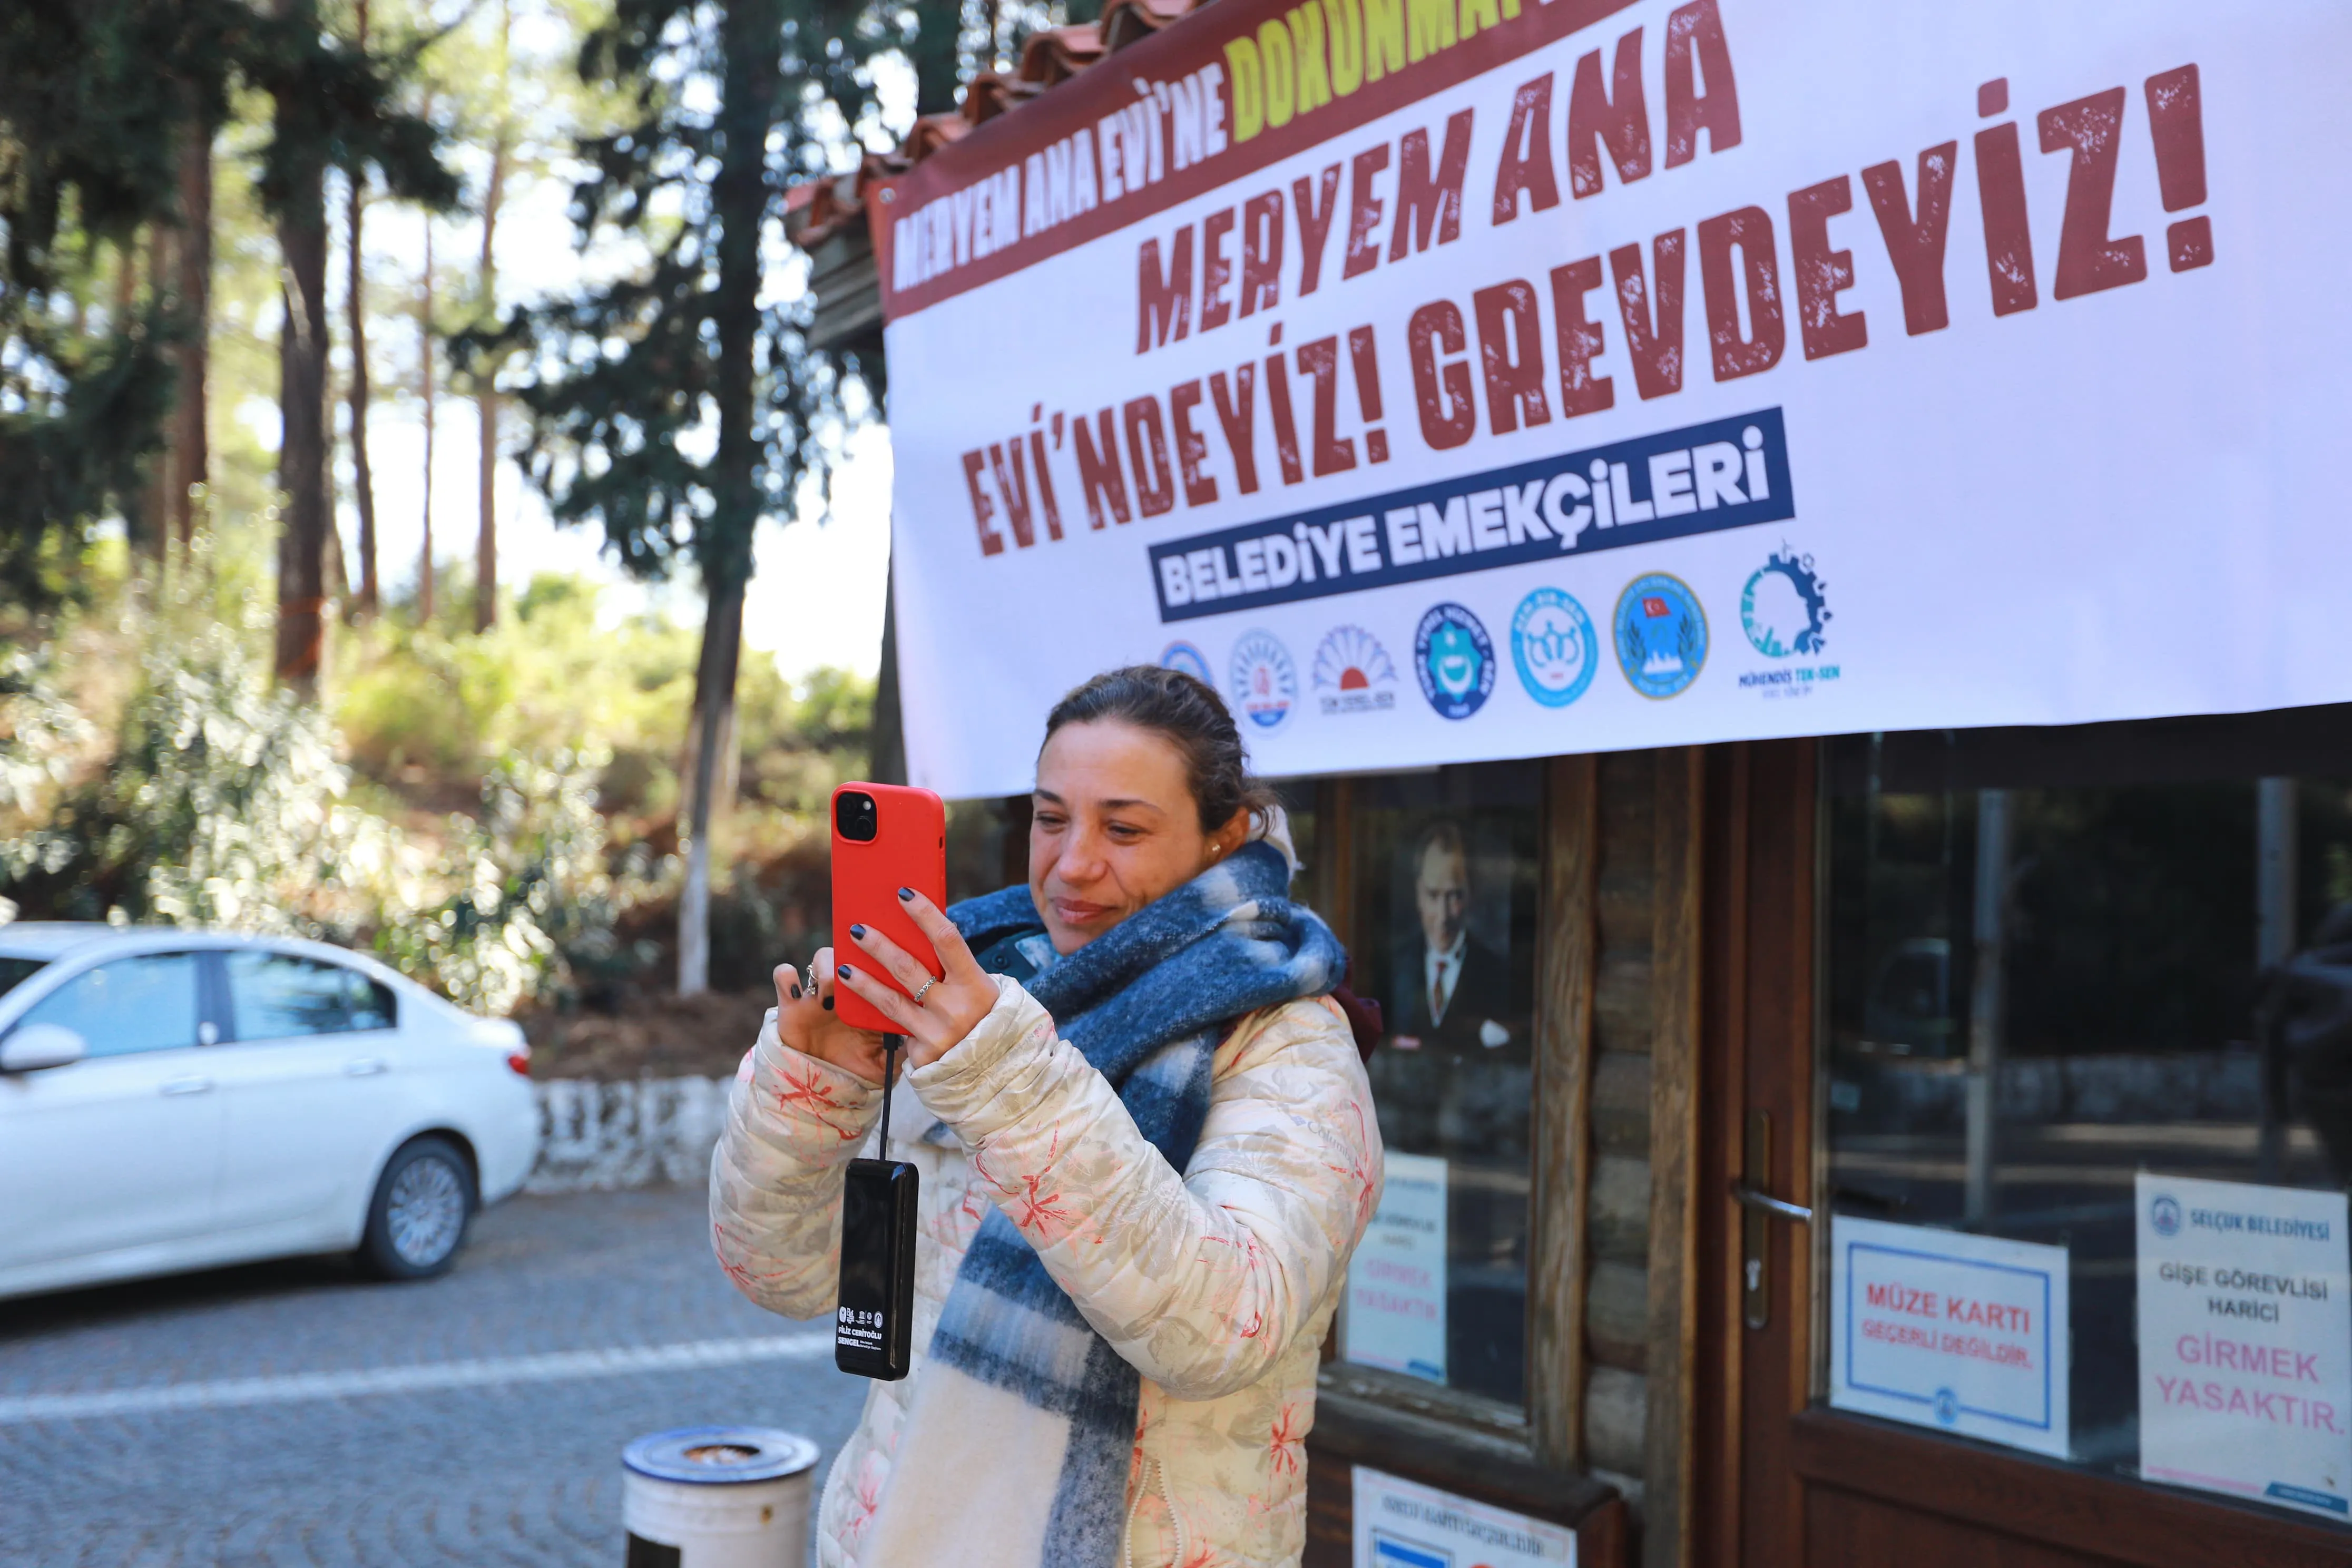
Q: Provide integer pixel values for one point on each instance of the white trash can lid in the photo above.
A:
(720, 1456)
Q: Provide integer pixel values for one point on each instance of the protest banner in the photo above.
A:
(1574, 374)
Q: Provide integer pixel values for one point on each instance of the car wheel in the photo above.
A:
(417, 1218)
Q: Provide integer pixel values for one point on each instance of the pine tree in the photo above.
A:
(98, 140)
(371, 593)
(88, 135)
(191, 445)
(486, 394)
(626, 382)
(331, 108)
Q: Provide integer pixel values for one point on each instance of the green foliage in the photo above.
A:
(435, 705)
(80, 417)
(88, 124)
(627, 405)
(534, 902)
(421, 708)
(547, 677)
(39, 734)
(98, 98)
(222, 802)
(798, 742)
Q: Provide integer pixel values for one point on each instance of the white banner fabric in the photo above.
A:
(1511, 378)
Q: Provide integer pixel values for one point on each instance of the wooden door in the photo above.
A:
(1780, 1479)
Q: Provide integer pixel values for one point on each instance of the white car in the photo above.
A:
(177, 1100)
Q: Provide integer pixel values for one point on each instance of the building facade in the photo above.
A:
(1913, 1145)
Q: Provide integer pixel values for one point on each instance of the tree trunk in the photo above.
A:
(887, 746)
(355, 305)
(739, 197)
(714, 724)
(302, 388)
(336, 576)
(424, 373)
(191, 451)
(155, 505)
(486, 405)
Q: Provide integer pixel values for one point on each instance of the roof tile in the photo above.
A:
(834, 204)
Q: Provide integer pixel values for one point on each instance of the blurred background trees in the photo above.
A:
(239, 235)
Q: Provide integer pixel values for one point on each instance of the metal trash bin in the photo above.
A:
(718, 1497)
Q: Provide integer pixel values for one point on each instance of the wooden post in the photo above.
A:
(1563, 1145)
(1667, 1458)
(191, 455)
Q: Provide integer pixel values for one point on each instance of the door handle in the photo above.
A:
(186, 1086)
(1748, 1197)
(363, 1067)
(1755, 1222)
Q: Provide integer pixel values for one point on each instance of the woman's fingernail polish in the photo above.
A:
(829, 1004)
(843, 969)
(907, 894)
(794, 993)
(857, 933)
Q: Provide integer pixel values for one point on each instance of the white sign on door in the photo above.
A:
(1968, 1333)
(2245, 1342)
(1402, 1524)
(1396, 1283)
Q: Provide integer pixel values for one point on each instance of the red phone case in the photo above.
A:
(908, 849)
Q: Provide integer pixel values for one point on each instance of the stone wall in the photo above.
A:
(600, 1136)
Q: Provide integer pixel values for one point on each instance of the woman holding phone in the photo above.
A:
(1147, 1148)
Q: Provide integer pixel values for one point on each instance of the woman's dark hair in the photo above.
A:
(1193, 718)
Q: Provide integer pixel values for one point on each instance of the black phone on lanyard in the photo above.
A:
(874, 1324)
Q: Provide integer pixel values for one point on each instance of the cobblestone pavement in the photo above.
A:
(490, 1474)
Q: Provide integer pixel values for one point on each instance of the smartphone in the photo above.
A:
(873, 1326)
(885, 837)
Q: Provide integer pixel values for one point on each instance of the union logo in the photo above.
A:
(1264, 681)
(1184, 655)
(1353, 673)
(1454, 660)
(1784, 608)
(1551, 645)
(1661, 634)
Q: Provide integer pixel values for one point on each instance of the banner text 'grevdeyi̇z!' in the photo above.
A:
(1451, 380)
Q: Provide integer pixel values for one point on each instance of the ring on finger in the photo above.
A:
(917, 997)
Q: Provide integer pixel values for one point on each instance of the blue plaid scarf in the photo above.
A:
(1146, 1002)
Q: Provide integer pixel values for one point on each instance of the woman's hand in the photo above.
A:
(953, 1005)
(805, 1021)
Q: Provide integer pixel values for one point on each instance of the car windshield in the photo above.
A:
(15, 972)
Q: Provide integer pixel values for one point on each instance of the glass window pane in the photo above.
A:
(131, 1005)
(15, 972)
(1444, 936)
(2063, 1009)
(279, 996)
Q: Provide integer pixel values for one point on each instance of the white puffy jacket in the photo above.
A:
(1218, 1285)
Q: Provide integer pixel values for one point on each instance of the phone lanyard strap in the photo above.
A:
(890, 1072)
